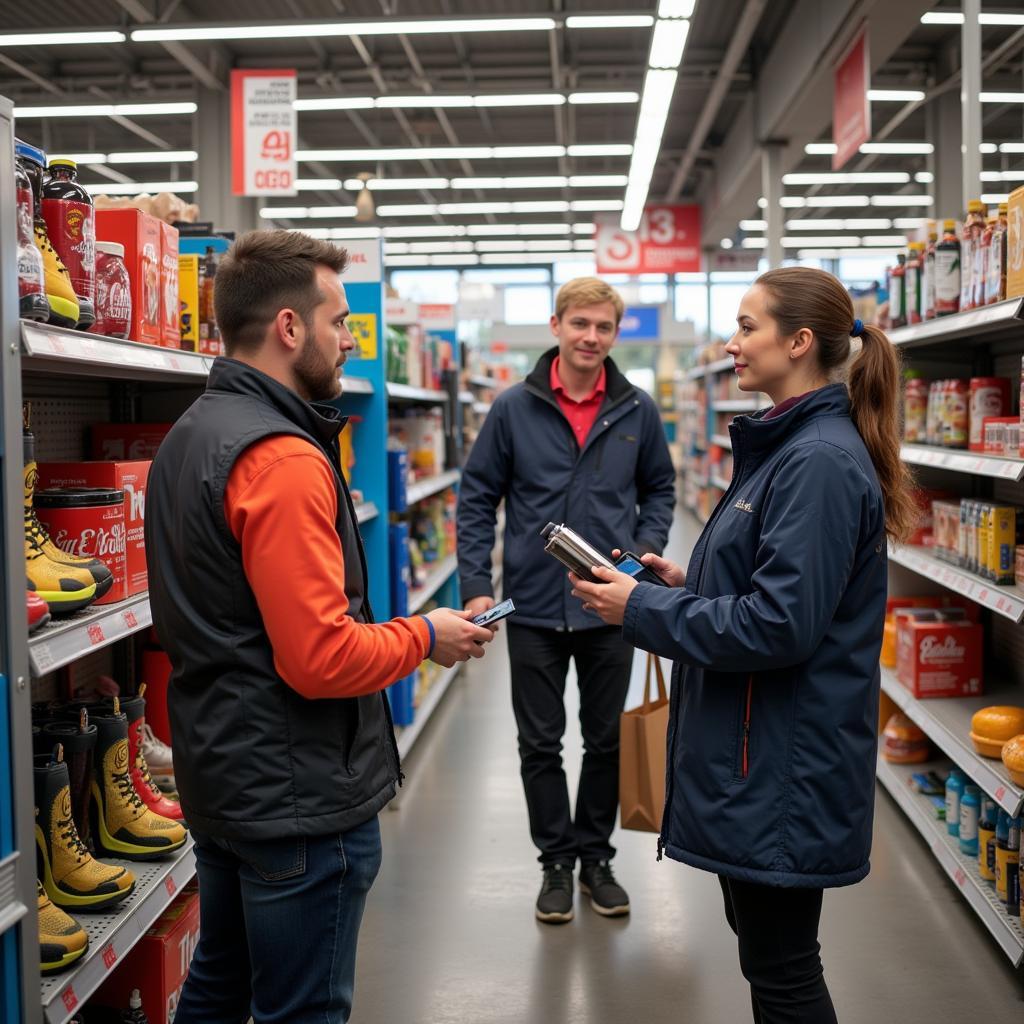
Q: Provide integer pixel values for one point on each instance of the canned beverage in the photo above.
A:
(88, 521)
(955, 426)
(989, 396)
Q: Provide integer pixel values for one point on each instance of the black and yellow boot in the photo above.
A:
(123, 825)
(62, 940)
(78, 738)
(72, 878)
(73, 567)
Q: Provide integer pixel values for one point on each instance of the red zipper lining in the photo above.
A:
(746, 728)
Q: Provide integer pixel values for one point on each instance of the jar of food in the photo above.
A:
(915, 411)
(71, 224)
(32, 304)
(955, 427)
(989, 396)
(88, 521)
(113, 292)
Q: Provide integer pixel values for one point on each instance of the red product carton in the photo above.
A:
(923, 534)
(170, 318)
(140, 235)
(129, 477)
(157, 965)
(127, 442)
(939, 659)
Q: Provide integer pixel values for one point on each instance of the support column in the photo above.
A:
(970, 101)
(212, 134)
(708, 259)
(945, 132)
(771, 186)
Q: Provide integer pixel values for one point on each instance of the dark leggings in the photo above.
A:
(779, 952)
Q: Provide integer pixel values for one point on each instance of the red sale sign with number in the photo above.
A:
(263, 133)
(851, 108)
(666, 242)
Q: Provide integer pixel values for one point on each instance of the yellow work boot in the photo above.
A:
(123, 825)
(62, 940)
(72, 878)
(60, 293)
(86, 570)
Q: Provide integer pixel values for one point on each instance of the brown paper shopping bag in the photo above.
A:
(643, 735)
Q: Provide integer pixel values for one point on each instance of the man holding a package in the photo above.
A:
(575, 443)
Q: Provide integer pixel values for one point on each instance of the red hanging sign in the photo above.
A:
(666, 242)
(851, 108)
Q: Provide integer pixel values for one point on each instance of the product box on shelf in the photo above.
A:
(989, 396)
(937, 656)
(923, 535)
(127, 442)
(170, 313)
(188, 297)
(398, 471)
(140, 234)
(129, 477)
(1015, 244)
(1002, 435)
(157, 965)
(398, 538)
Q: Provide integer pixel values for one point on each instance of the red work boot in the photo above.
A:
(38, 611)
(135, 709)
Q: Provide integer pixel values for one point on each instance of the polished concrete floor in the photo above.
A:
(450, 937)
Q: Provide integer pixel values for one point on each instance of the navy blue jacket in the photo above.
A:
(617, 491)
(774, 710)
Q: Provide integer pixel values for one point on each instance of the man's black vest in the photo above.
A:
(252, 758)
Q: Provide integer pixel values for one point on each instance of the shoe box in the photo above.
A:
(127, 442)
(170, 309)
(129, 477)
(158, 963)
(142, 238)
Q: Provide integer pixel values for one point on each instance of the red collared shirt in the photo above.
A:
(583, 414)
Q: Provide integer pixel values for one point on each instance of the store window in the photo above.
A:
(528, 304)
(428, 286)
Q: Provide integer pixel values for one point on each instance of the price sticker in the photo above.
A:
(1000, 794)
(58, 345)
(170, 885)
(109, 956)
(42, 656)
(69, 998)
(96, 635)
(960, 877)
(130, 620)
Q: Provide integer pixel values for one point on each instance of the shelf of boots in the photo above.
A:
(436, 579)
(974, 463)
(79, 354)
(947, 723)
(431, 485)
(65, 640)
(961, 868)
(1007, 601)
(408, 736)
(114, 931)
(975, 326)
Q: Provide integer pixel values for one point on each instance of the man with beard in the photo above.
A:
(284, 752)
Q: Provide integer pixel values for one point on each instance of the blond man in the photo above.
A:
(575, 443)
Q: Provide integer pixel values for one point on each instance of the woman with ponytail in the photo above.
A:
(776, 629)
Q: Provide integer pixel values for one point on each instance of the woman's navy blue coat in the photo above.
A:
(776, 638)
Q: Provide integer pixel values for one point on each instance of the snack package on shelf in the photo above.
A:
(188, 300)
(140, 234)
(938, 655)
(170, 310)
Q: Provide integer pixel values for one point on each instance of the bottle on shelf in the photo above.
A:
(912, 283)
(948, 271)
(898, 293)
(956, 781)
(974, 227)
(987, 839)
(982, 259)
(71, 225)
(209, 333)
(995, 278)
(135, 1013)
(928, 274)
(32, 304)
(970, 814)
(1013, 868)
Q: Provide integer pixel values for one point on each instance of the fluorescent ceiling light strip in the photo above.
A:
(459, 153)
(433, 247)
(303, 30)
(659, 86)
(837, 201)
(425, 231)
(786, 202)
(898, 148)
(81, 158)
(892, 241)
(676, 8)
(988, 147)
(909, 223)
(1002, 97)
(550, 181)
(755, 243)
(136, 188)
(821, 148)
(461, 100)
(610, 21)
(588, 98)
(485, 230)
(895, 95)
(602, 149)
(337, 103)
(824, 241)
(916, 200)
(454, 261)
(59, 38)
(753, 225)
(853, 178)
(667, 44)
(318, 184)
(284, 212)
(995, 198)
(924, 177)
(340, 234)
(396, 184)
(1011, 147)
(584, 229)
(584, 244)
(173, 156)
(546, 99)
(105, 110)
(414, 210)
(597, 180)
(596, 205)
(957, 18)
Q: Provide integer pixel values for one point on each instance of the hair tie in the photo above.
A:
(858, 329)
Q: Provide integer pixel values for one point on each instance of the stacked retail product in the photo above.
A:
(982, 537)
(416, 357)
(94, 798)
(970, 413)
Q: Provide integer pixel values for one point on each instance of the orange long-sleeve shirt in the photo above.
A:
(281, 505)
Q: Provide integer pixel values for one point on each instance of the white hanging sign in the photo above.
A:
(263, 133)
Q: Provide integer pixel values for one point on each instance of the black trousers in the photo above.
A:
(779, 952)
(540, 662)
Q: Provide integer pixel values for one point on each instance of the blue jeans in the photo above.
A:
(279, 923)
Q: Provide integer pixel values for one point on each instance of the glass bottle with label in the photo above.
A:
(912, 283)
(898, 293)
(955, 784)
(987, 839)
(947, 271)
(32, 304)
(970, 814)
(995, 278)
(71, 225)
(974, 227)
(928, 275)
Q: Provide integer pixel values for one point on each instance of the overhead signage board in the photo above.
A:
(263, 133)
(666, 242)
(851, 108)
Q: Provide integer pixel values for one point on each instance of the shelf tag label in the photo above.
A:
(1000, 794)
(69, 999)
(42, 655)
(130, 620)
(95, 632)
(960, 877)
(170, 885)
(109, 956)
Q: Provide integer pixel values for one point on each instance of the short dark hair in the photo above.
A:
(263, 273)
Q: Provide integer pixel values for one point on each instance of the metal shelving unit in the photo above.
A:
(973, 327)
(975, 463)
(962, 869)
(406, 393)
(366, 511)
(408, 736)
(722, 441)
(432, 485)
(736, 405)
(113, 932)
(436, 579)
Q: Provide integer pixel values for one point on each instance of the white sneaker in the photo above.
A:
(159, 758)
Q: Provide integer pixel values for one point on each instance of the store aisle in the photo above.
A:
(450, 937)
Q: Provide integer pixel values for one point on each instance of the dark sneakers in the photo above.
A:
(554, 904)
(607, 897)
